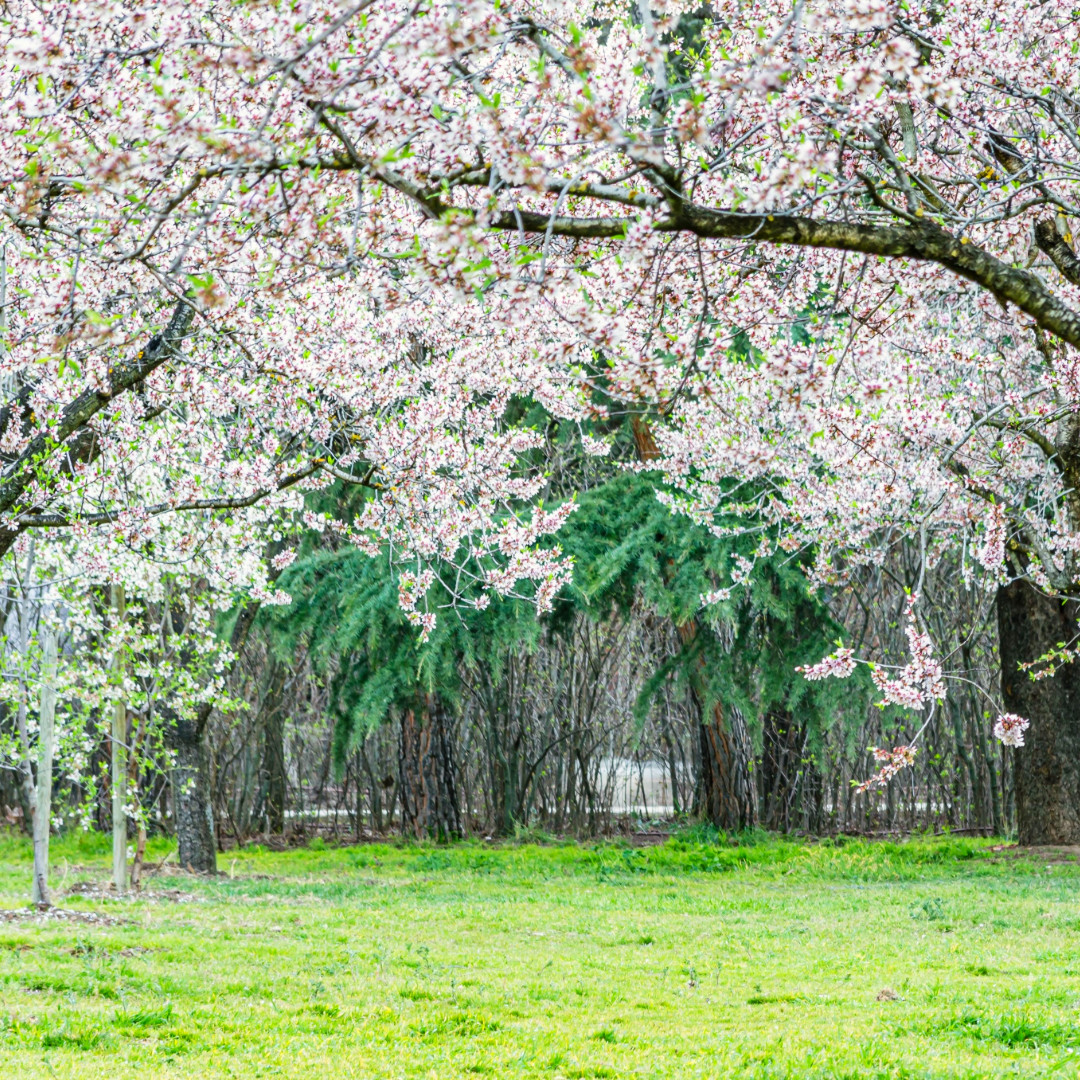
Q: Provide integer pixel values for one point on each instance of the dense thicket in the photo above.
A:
(594, 716)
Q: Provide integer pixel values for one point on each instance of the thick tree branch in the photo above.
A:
(1052, 244)
(19, 474)
(109, 517)
(927, 243)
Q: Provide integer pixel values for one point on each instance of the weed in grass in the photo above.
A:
(143, 1018)
(930, 909)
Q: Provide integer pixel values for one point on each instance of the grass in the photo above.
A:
(932, 958)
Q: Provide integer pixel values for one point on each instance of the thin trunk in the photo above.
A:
(273, 764)
(1047, 767)
(119, 757)
(46, 740)
(27, 793)
(781, 769)
(140, 855)
(995, 791)
(966, 760)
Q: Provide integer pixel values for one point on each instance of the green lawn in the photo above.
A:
(929, 958)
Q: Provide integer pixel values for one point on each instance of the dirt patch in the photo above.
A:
(647, 839)
(42, 917)
(1055, 854)
(92, 890)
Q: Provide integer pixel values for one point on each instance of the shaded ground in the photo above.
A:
(931, 958)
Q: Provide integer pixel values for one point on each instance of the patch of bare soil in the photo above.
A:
(92, 890)
(1054, 854)
(44, 916)
(647, 839)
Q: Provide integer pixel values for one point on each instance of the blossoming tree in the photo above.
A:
(828, 244)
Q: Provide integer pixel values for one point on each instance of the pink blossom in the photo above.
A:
(891, 762)
(1009, 729)
(839, 664)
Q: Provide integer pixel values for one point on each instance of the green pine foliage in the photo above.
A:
(626, 544)
(627, 549)
(345, 611)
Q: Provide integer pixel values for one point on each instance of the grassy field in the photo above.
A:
(928, 958)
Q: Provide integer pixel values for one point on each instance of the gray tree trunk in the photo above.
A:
(191, 798)
(46, 740)
(119, 760)
(1047, 777)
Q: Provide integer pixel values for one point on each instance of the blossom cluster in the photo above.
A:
(890, 763)
(1010, 728)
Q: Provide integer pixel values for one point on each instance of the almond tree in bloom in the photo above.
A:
(192, 340)
(827, 245)
(199, 295)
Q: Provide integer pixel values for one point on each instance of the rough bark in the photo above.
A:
(191, 773)
(1047, 767)
(728, 795)
(191, 797)
(428, 772)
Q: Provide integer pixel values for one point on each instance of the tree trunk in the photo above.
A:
(726, 793)
(119, 757)
(191, 774)
(191, 797)
(46, 741)
(273, 762)
(1047, 767)
(728, 797)
(428, 773)
(814, 799)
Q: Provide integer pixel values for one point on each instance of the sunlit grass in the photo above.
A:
(692, 959)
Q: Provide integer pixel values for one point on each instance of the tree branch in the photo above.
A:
(109, 517)
(1052, 244)
(17, 476)
(925, 242)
